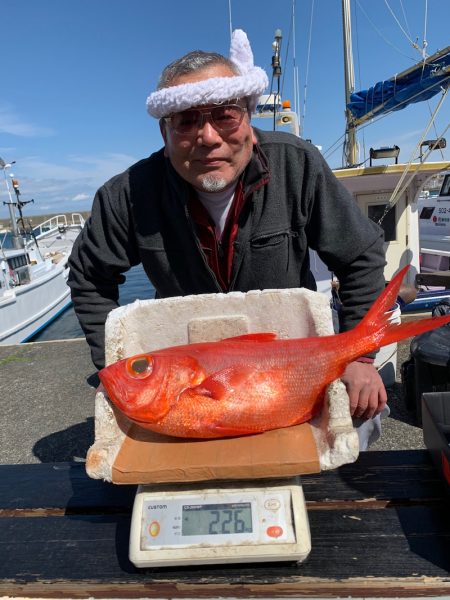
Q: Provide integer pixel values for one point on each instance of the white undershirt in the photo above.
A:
(218, 205)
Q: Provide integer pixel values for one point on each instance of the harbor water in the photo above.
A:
(66, 326)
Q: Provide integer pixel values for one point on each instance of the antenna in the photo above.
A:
(276, 45)
(276, 70)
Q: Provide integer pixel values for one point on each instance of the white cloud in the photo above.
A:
(56, 186)
(80, 197)
(12, 123)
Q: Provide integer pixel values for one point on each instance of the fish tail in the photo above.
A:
(377, 328)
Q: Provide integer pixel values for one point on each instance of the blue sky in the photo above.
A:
(76, 74)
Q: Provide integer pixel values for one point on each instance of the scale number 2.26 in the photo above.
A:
(227, 521)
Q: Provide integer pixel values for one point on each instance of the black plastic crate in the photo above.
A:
(428, 369)
(436, 430)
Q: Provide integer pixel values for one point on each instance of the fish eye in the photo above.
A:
(140, 367)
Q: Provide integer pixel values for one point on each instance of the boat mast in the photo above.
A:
(16, 238)
(350, 144)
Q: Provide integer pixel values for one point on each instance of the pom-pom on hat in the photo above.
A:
(251, 83)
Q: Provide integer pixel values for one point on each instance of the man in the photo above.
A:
(224, 206)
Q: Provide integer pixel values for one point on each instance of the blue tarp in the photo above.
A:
(415, 85)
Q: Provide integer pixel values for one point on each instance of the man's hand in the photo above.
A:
(365, 389)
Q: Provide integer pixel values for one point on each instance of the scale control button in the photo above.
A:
(154, 528)
(274, 531)
(272, 504)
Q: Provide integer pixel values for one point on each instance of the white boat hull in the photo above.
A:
(27, 309)
(33, 279)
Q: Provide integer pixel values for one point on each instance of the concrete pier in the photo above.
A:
(47, 404)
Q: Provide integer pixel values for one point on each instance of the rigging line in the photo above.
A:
(395, 195)
(413, 44)
(404, 16)
(433, 147)
(330, 148)
(381, 34)
(308, 57)
(294, 60)
(393, 200)
(229, 16)
(285, 58)
(435, 129)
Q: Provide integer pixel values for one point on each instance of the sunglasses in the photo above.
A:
(224, 118)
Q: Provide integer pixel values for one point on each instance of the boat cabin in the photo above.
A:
(15, 269)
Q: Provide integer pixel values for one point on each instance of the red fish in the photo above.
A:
(251, 383)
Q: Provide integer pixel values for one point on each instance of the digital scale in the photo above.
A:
(190, 525)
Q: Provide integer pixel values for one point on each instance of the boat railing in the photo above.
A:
(58, 223)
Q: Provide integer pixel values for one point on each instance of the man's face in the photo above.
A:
(209, 159)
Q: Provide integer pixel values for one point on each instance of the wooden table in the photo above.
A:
(379, 527)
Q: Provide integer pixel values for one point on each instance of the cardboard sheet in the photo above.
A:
(147, 457)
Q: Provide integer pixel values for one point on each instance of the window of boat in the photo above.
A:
(375, 212)
(445, 189)
(17, 261)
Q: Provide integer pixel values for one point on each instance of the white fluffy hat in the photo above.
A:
(251, 83)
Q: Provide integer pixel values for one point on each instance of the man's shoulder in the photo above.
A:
(283, 146)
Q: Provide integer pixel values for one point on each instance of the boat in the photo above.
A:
(390, 194)
(434, 227)
(33, 269)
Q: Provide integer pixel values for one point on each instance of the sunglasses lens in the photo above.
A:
(227, 117)
(187, 121)
(224, 118)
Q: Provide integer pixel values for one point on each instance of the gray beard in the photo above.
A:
(213, 183)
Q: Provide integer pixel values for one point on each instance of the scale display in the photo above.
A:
(176, 526)
(215, 519)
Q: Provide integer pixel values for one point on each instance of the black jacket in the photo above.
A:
(294, 202)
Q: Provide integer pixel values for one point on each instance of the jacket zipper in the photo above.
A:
(197, 243)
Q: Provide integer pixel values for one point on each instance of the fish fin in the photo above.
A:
(376, 329)
(222, 383)
(385, 301)
(253, 337)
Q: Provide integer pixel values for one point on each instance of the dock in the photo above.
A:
(379, 526)
(47, 404)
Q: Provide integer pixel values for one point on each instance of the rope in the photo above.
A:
(404, 16)
(296, 77)
(381, 34)
(286, 58)
(396, 194)
(413, 44)
(332, 148)
(305, 87)
(424, 158)
(435, 131)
